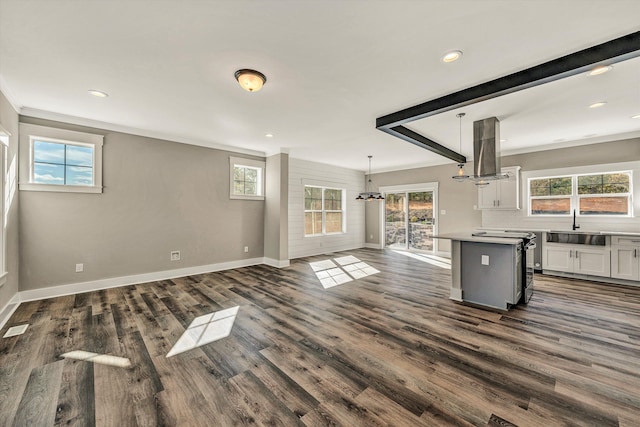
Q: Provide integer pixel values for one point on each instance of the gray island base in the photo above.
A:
(485, 271)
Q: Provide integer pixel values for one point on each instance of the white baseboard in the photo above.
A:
(9, 309)
(443, 254)
(276, 263)
(456, 294)
(372, 245)
(114, 282)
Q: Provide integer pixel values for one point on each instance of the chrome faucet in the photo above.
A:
(575, 226)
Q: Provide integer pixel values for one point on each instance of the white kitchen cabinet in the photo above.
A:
(501, 194)
(625, 257)
(578, 259)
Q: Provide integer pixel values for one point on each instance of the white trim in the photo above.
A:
(9, 95)
(29, 133)
(260, 165)
(456, 294)
(114, 282)
(40, 114)
(372, 246)
(411, 188)
(276, 263)
(9, 309)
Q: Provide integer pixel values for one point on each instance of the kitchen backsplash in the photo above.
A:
(519, 220)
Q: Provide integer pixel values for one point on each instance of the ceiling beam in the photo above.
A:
(611, 52)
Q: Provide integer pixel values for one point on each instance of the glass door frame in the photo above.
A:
(410, 188)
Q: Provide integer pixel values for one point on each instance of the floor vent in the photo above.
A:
(15, 330)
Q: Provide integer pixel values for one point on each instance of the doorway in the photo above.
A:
(410, 218)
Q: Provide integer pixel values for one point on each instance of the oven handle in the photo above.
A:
(530, 245)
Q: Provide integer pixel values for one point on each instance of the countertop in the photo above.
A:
(606, 233)
(467, 237)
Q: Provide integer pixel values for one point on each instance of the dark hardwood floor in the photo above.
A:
(389, 349)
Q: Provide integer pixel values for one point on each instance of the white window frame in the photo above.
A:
(247, 163)
(574, 173)
(4, 205)
(324, 211)
(30, 133)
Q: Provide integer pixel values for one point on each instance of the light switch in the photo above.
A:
(485, 260)
(443, 212)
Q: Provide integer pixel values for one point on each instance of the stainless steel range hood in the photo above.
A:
(486, 149)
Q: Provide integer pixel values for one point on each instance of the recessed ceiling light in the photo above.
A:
(598, 104)
(454, 55)
(600, 70)
(98, 93)
(504, 140)
(637, 116)
(268, 135)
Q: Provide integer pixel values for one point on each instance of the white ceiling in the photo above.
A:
(332, 68)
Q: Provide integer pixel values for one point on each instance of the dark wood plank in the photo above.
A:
(38, 404)
(388, 349)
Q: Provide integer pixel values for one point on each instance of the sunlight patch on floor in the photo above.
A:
(429, 259)
(351, 268)
(102, 359)
(205, 329)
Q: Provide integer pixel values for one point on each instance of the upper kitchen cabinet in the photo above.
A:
(503, 194)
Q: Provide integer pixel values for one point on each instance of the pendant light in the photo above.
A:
(461, 176)
(369, 195)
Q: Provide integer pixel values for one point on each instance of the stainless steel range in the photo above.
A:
(527, 259)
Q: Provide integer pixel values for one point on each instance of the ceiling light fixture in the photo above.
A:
(268, 135)
(461, 176)
(451, 56)
(369, 195)
(598, 104)
(600, 70)
(250, 80)
(98, 93)
(637, 116)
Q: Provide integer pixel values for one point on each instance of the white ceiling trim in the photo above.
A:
(80, 121)
(13, 100)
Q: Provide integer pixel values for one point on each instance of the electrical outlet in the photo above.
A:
(79, 268)
(246, 249)
(371, 236)
(175, 255)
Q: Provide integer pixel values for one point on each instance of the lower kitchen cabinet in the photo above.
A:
(578, 259)
(625, 258)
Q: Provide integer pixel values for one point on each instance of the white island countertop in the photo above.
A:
(467, 237)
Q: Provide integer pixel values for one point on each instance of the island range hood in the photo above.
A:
(486, 153)
(486, 150)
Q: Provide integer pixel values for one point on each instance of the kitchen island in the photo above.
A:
(485, 270)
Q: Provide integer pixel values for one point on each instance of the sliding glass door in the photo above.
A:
(410, 219)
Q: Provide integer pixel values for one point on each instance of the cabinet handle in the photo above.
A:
(635, 253)
(498, 202)
(635, 241)
(576, 253)
(570, 253)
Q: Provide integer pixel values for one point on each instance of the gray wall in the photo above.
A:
(9, 120)
(595, 154)
(276, 208)
(457, 198)
(159, 196)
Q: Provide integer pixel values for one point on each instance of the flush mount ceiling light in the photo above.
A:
(451, 56)
(598, 104)
(600, 70)
(268, 135)
(98, 93)
(250, 80)
(637, 116)
(369, 195)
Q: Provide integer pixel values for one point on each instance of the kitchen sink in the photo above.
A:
(577, 238)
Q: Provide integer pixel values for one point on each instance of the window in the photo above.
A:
(323, 210)
(246, 179)
(589, 194)
(60, 160)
